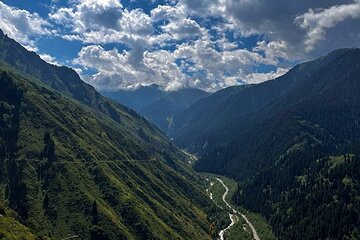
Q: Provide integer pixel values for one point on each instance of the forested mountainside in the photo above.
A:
(293, 153)
(320, 107)
(307, 196)
(222, 116)
(73, 163)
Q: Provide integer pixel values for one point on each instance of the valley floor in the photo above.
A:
(243, 225)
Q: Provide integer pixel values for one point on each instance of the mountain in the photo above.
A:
(156, 104)
(216, 119)
(191, 123)
(138, 98)
(293, 145)
(75, 164)
(309, 95)
(162, 111)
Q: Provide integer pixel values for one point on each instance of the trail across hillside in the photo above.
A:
(233, 216)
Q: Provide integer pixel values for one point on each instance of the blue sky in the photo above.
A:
(207, 44)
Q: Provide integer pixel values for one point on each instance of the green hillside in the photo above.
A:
(11, 228)
(68, 169)
(320, 200)
(278, 139)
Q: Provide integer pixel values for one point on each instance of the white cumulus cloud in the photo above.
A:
(254, 78)
(317, 21)
(49, 59)
(22, 25)
(115, 70)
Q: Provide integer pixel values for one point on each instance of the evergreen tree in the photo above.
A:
(46, 202)
(49, 148)
(7, 191)
(95, 214)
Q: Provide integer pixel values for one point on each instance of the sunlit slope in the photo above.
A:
(68, 169)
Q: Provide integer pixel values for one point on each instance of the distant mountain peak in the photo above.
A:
(344, 50)
(154, 85)
(339, 53)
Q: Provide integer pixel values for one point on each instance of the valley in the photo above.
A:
(277, 140)
(239, 227)
(179, 120)
(233, 216)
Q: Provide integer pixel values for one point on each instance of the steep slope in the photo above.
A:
(224, 113)
(220, 117)
(138, 98)
(294, 157)
(59, 159)
(305, 197)
(311, 109)
(59, 78)
(11, 228)
(162, 111)
(73, 163)
(190, 124)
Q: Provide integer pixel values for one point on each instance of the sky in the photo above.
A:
(206, 44)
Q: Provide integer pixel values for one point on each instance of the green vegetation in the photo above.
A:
(263, 228)
(324, 202)
(237, 231)
(335, 161)
(74, 163)
(69, 155)
(288, 143)
(217, 190)
(11, 228)
(240, 231)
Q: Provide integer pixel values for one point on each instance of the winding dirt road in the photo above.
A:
(233, 216)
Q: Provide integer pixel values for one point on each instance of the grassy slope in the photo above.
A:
(136, 199)
(11, 228)
(237, 231)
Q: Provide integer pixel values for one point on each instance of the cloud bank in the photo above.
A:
(208, 44)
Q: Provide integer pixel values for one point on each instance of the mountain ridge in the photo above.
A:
(98, 171)
(253, 99)
(156, 104)
(162, 111)
(296, 155)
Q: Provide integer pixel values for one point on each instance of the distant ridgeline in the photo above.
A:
(156, 104)
(75, 164)
(290, 142)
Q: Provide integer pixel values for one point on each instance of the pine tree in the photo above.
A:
(46, 202)
(49, 148)
(95, 214)
(7, 190)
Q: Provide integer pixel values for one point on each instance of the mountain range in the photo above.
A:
(75, 164)
(249, 118)
(138, 98)
(292, 143)
(156, 104)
